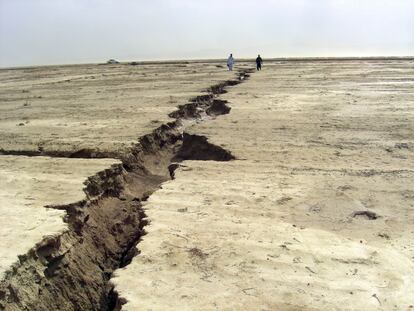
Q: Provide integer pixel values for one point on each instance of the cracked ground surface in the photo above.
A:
(58, 111)
(102, 108)
(76, 220)
(69, 108)
(315, 212)
(27, 185)
(318, 146)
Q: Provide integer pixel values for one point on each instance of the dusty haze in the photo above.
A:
(34, 32)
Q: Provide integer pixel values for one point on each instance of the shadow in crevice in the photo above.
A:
(196, 147)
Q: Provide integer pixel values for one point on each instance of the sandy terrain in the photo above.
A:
(27, 185)
(102, 108)
(315, 213)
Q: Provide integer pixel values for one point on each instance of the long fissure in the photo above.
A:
(72, 271)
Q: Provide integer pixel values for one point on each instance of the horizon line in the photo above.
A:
(213, 60)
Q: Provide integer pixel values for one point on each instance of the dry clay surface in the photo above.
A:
(315, 213)
(66, 109)
(100, 108)
(27, 185)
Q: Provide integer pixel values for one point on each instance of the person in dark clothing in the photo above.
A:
(259, 62)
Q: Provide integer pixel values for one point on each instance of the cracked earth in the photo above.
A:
(183, 187)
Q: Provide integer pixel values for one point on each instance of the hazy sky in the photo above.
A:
(76, 31)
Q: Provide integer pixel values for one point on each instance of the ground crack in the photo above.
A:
(71, 271)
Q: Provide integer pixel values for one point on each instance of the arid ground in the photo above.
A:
(182, 186)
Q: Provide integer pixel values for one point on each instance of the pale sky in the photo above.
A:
(35, 32)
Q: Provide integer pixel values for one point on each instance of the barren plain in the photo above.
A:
(300, 197)
(315, 212)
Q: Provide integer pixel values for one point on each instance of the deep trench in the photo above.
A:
(72, 271)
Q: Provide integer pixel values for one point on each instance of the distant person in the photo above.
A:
(259, 62)
(230, 62)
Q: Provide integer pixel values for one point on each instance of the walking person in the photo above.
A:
(259, 62)
(230, 62)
